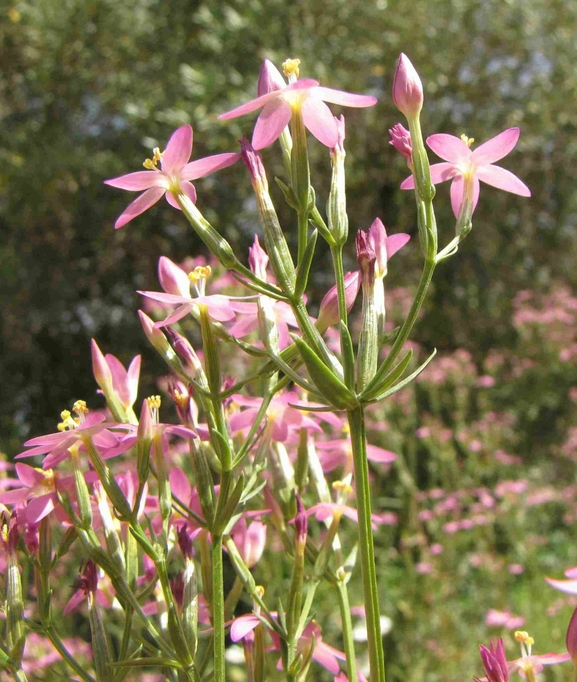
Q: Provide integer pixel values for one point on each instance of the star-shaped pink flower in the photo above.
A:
(479, 163)
(278, 101)
(173, 176)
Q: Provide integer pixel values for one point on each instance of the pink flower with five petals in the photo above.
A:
(278, 101)
(463, 163)
(173, 176)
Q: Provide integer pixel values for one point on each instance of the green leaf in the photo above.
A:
(406, 381)
(394, 375)
(305, 265)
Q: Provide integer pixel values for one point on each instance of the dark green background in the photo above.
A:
(88, 87)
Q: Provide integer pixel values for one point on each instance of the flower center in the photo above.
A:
(199, 276)
(291, 69)
(154, 405)
(68, 421)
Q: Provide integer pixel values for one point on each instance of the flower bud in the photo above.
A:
(329, 308)
(100, 368)
(407, 88)
(301, 525)
(401, 141)
(337, 203)
(257, 259)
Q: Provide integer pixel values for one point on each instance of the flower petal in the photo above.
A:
(503, 179)
(139, 205)
(441, 172)
(188, 189)
(210, 164)
(271, 122)
(318, 118)
(449, 147)
(172, 201)
(396, 242)
(178, 150)
(136, 182)
(457, 187)
(345, 99)
(496, 148)
(242, 626)
(269, 79)
(567, 586)
(409, 183)
(253, 105)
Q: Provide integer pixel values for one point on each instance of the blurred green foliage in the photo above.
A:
(87, 87)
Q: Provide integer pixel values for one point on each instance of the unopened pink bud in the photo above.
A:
(339, 148)
(366, 255)
(184, 349)
(185, 543)
(407, 88)
(100, 368)
(89, 578)
(301, 523)
(571, 639)
(253, 161)
(257, 259)
(401, 141)
(329, 308)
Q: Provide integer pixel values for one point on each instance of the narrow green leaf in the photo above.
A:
(305, 265)
(406, 381)
(394, 375)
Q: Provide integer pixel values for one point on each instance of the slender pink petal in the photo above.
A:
(449, 147)
(15, 496)
(175, 316)
(210, 164)
(253, 105)
(29, 475)
(502, 179)
(172, 201)
(139, 205)
(188, 189)
(132, 378)
(40, 507)
(345, 99)
(496, 148)
(178, 150)
(242, 626)
(440, 172)
(567, 586)
(272, 121)
(323, 655)
(457, 188)
(376, 454)
(269, 79)
(136, 182)
(318, 118)
(180, 484)
(396, 242)
(172, 278)
(409, 183)
(571, 572)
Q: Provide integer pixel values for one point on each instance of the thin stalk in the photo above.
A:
(337, 254)
(218, 609)
(312, 335)
(347, 626)
(356, 418)
(426, 276)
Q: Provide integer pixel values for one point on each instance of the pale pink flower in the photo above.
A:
(173, 176)
(250, 540)
(278, 101)
(462, 163)
(337, 453)
(124, 382)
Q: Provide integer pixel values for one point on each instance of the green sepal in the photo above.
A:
(289, 194)
(404, 382)
(394, 375)
(390, 336)
(331, 387)
(305, 265)
(223, 517)
(348, 354)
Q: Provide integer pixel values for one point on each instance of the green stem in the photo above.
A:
(347, 625)
(218, 609)
(312, 335)
(337, 254)
(52, 635)
(369, 573)
(405, 330)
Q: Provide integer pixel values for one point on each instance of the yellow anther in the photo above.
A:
(65, 414)
(343, 487)
(154, 401)
(291, 68)
(181, 399)
(149, 164)
(346, 429)
(259, 589)
(524, 638)
(68, 421)
(80, 408)
(156, 155)
(200, 272)
(467, 140)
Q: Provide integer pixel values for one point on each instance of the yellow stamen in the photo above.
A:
(181, 399)
(343, 486)
(68, 421)
(259, 589)
(80, 408)
(346, 429)
(199, 273)
(154, 402)
(524, 638)
(291, 68)
(467, 140)
(152, 164)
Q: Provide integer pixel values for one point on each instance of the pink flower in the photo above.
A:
(108, 370)
(176, 283)
(173, 176)
(495, 661)
(250, 540)
(464, 163)
(278, 101)
(401, 141)
(407, 88)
